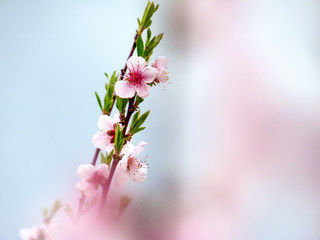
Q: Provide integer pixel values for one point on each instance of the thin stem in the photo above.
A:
(116, 158)
(95, 157)
(106, 187)
(134, 45)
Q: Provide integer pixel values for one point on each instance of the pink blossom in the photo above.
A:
(136, 81)
(161, 65)
(39, 232)
(104, 139)
(129, 166)
(91, 177)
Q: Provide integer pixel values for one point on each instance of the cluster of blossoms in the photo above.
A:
(115, 136)
(138, 81)
(141, 76)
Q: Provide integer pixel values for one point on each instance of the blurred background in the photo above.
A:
(234, 148)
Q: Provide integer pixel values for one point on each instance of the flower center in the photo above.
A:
(96, 179)
(134, 78)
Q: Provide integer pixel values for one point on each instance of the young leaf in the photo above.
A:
(121, 104)
(118, 139)
(138, 121)
(109, 158)
(140, 46)
(148, 35)
(135, 118)
(102, 158)
(99, 101)
(137, 130)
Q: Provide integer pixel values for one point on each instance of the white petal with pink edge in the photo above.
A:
(105, 123)
(101, 140)
(149, 74)
(121, 177)
(85, 171)
(123, 89)
(143, 90)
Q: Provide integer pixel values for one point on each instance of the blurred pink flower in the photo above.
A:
(105, 138)
(130, 167)
(161, 65)
(39, 232)
(91, 177)
(136, 81)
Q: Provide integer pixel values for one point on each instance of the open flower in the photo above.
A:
(105, 138)
(136, 81)
(39, 232)
(130, 167)
(161, 65)
(91, 177)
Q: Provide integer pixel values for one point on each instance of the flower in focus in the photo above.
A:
(39, 232)
(105, 138)
(129, 166)
(136, 81)
(161, 65)
(91, 177)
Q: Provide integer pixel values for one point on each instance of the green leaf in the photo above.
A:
(148, 23)
(135, 118)
(149, 47)
(137, 130)
(99, 101)
(106, 75)
(137, 121)
(140, 46)
(156, 8)
(148, 35)
(118, 139)
(102, 158)
(121, 104)
(109, 158)
(157, 40)
(139, 23)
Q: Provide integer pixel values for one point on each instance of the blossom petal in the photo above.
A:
(136, 64)
(121, 177)
(149, 74)
(85, 171)
(124, 163)
(109, 148)
(124, 89)
(163, 76)
(105, 123)
(139, 174)
(160, 62)
(103, 170)
(101, 140)
(143, 90)
(86, 187)
(138, 149)
(116, 117)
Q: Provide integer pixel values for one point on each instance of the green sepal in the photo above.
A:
(139, 100)
(140, 46)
